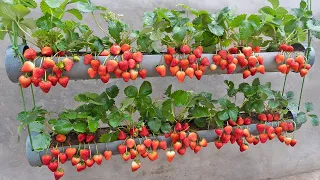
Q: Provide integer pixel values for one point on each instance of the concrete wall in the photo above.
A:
(260, 162)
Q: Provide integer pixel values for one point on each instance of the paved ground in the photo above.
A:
(313, 175)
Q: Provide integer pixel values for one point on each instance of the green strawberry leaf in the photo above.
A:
(131, 91)
(112, 91)
(80, 127)
(301, 118)
(180, 98)
(308, 106)
(154, 125)
(314, 120)
(41, 142)
(63, 126)
(145, 88)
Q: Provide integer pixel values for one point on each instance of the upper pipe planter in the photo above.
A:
(79, 70)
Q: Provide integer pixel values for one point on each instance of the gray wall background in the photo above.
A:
(272, 160)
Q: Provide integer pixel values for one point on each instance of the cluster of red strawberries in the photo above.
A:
(38, 75)
(297, 64)
(248, 61)
(233, 132)
(188, 63)
(128, 67)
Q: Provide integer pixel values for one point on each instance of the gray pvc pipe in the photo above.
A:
(79, 70)
(34, 158)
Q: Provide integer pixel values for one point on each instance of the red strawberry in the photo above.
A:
(290, 48)
(168, 58)
(173, 70)
(290, 126)
(75, 160)
(36, 81)
(84, 154)
(135, 165)
(218, 132)
(197, 53)
(46, 159)
(105, 78)
(186, 142)
(223, 64)
(68, 64)
(89, 162)
(218, 144)
(252, 61)
(24, 81)
(122, 135)
(163, 145)
(284, 126)
(246, 74)
(184, 64)
(63, 158)
(143, 73)
(261, 69)
(233, 50)
(122, 149)
(46, 51)
(53, 79)
(262, 117)
(238, 133)
(283, 68)
(174, 137)
(269, 117)
(247, 51)
(240, 121)
(170, 155)
(171, 50)
(95, 64)
(243, 63)
(125, 76)
(281, 138)
(92, 73)
(55, 152)
(247, 121)
(295, 66)
(255, 141)
(283, 47)
(57, 71)
(132, 63)
(180, 76)
(185, 49)
(232, 139)
(125, 47)
(293, 142)
(260, 127)
(182, 151)
(61, 138)
(205, 61)
(115, 49)
(303, 72)
(153, 155)
(111, 65)
(81, 166)
(197, 149)
(278, 131)
(230, 58)
(53, 166)
(228, 129)
(182, 135)
(105, 53)
(141, 148)
(175, 62)
(98, 159)
(243, 147)
(161, 69)
(30, 54)
(130, 143)
(38, 72)
(203, 142)
(192, 58)
(126, 156)
(144, 131)
(63, 81)
(107, 154)
(90, 138)
(192, 145)
(223, 54)
(192, 136)
(117, 73)
(123, 65)
(269, 130)
(193, 66)
(155, 144)
(279, 58)
(287, 141)
(198, 74)
(102, 70)
(70, 151)
(257, 49)
(263, 138)
(45, 86)
(48, 63)
(231, 67)
(81, 137)
(137, 56)
(246, 133)
(133, 74)
(58, 173)
(300, 59)
(127, 55)
(87, 59)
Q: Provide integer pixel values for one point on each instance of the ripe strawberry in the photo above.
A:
(117, 73)
(163, 145)
(63, 158)
(68, 64)
(92, 73)
(36, 81)
(279, 58)
(161, 69)
(184, 64)
(283, 68)
(257, 49)
(122, 149)
(223, 54)
(58, 173)
(283, 47)
(252, 61)
(46, 51)
(295, 66)
(81, 166)
(126, 156)
(230, 58)
(240, 121)
(63, 81)
(107, 154)
(250, 139)
(269, 130)
(30, 54)
(232, 139)
(48, 63)
(228, 129)
(133, 74)
(198, 73)
(155, 144)
(281, 138)
(177, 145)
(141, 148)
(218, 144)
(90, 138)
(89, 162)
(293, 142)
(168, 58)
(261, 127)
(180, 76)
(111, 65)
(186, 142)
(57, 71)
(132, 63)
(75, 160)
(246, 74)
(239, 141)
(192, 58)
(182, 135)
(231, 122)
(102, 70)
(262, 117)
(216, 59)
(105, 53)
(137, 56)
(303, 72)
(290, 48)
(243, 63)
(182, 151)
(170, 155)
(144, 155)
(287, 140)
(53, 166)
(130, 143)
(223, 64)
(247, 51)
(45, 86)
(173, 70)
(144, 131)
(284, 126)
(84, 154)
(203, 142)
(225, 138)
(153, 155)
(205, 61)
(189, 72)
(192, 145)
(255, 141)
(231, 67)
(218, 132)
(247, 121)
(61, 138)
(115, 49)
(185, 49)
(46, 159)
(197, 149)
(243, 147)
(87, 59)
(261, 69)
(28, 66)
(278, 131)
(142, 73)
(127, 55)
(24, 81)
(171, 50)
(98, 159)
(81, 137)
(192, 136)
(233, 50)
(238, 133)
(175, 62)
(271, 136)
(197, 53)
(135, 165)
(95, 64)
(290, 126)
(53, 79)
(263, 138)
(125, 47)
(308, 66)
(133, 153)
(126, 76)
(70, 152)
(38, 72)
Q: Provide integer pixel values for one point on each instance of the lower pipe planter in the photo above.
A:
(34, 158)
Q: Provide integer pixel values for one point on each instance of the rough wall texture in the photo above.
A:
(272, 160)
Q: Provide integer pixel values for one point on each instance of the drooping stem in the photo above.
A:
(284, 84)
(33, 99)
(95, 20)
